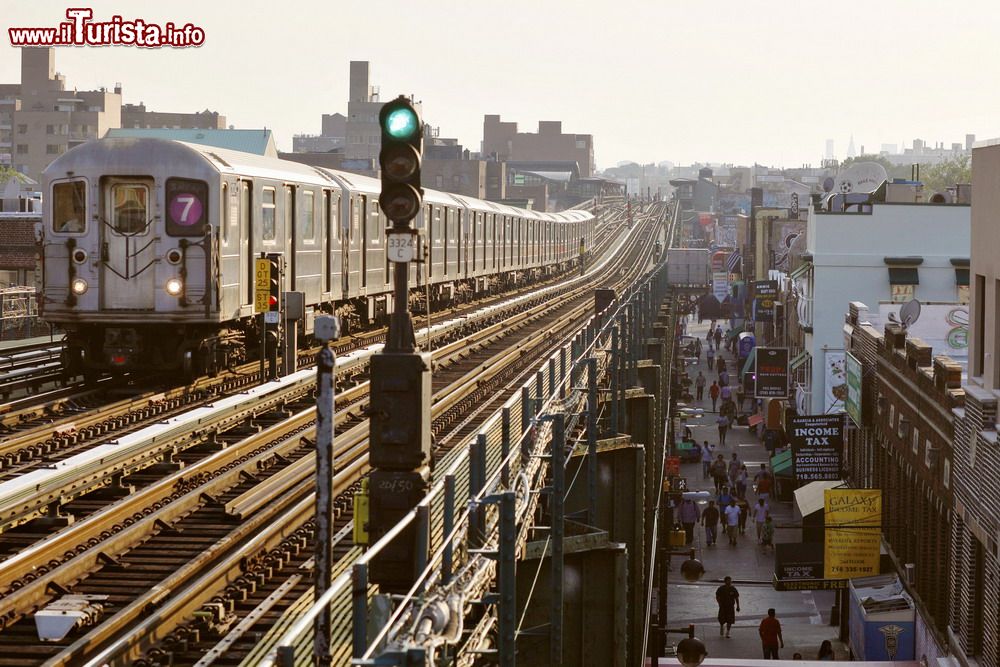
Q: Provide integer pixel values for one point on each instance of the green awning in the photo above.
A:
(748, 366)
(962, 276)
(782, 461)
(903, 275)
(799, 271)
(799, 359)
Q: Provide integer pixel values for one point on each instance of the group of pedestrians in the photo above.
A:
(730, 511)
(771, 639)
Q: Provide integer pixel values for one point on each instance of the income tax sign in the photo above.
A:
(817, 446)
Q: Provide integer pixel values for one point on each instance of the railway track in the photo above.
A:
(39, 431)
(25, 368)
(237, 488)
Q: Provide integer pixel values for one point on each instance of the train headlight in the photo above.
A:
(174, 287)
(79, 286)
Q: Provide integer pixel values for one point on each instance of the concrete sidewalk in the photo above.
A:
(804, 615)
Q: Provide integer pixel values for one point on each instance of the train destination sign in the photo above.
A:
(817, 446)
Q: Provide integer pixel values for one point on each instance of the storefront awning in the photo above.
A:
(799, 359)
(804, 268)
(809, 498)
(903, 275)
(781, 463)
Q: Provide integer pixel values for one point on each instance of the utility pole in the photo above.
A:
(326, 329)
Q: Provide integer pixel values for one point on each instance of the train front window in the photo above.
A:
(129, 208)
(69, 209)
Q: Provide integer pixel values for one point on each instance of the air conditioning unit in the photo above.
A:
(910, 573)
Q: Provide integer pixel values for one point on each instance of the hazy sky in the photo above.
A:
(679, 80)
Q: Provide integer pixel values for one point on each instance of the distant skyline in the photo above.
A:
(764, 82)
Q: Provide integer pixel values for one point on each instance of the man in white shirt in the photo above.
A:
(732, 521)
(760, 512)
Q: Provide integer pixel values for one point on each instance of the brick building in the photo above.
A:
(903, 445)
(503, 140)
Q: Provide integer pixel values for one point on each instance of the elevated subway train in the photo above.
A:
(149, 249)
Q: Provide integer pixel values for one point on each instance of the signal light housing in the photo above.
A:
(399, 160)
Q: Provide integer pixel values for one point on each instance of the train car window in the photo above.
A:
(289, 217)
(187, 213)
(377, 224)
(225, 213)
(69, 210)
(267, 214)
(308, 229)
(130, 207)
(355, 218)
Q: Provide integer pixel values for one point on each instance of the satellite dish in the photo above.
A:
(909, 312)
(860, 177)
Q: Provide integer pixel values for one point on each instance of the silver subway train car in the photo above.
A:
(149, 249)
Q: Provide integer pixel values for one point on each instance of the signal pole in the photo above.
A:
(400, 450)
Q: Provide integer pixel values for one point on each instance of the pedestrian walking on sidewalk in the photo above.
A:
(760, 513)
(720, 365)
(744, 514)
(706, 460)
(740, 395)
(724, 497)
(697, 349)
(767, 535)
(710, 356)
(713, 393)
(734, 471)
(689, 517)
(770, 635)
(729, 603)
(719, 473)
(710, 519)
(699, 386)
(826, 651)
(732, 521)
(741, 482)
(763, 483)
(723, 423)
(718, 337)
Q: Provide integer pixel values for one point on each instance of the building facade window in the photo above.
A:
(916, 441)
(22, 128)
(902, 282)
(53, 149)
(22, 149)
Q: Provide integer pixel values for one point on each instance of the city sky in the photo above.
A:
(653, 80)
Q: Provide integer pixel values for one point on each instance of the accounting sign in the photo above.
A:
(817, 446)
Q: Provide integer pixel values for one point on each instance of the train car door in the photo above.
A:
(333, 256)
(352, 244)
(127, 248)
(246, 239)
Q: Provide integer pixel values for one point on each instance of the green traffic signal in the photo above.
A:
(401, 123)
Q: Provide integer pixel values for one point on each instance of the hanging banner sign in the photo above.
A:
(817, 443)
(765, 293)
(772, 372)
(853, 520)
(852, 368)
